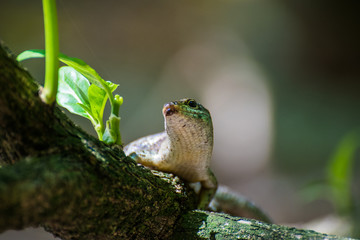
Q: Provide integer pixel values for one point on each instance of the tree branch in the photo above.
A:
(210, 225)
(55, 175)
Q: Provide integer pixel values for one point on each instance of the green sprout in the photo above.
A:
(76, 87)
(77, 95)
(48, 94)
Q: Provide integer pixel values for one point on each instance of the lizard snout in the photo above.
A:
(169, 109)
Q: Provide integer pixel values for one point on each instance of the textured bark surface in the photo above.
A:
(55, 175)
(210, 225)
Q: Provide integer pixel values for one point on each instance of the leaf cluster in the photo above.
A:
(83, 92)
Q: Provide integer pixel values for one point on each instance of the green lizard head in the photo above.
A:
(186, 115)
(187, 107)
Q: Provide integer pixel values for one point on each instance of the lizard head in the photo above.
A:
(187, 107)
(187, 115)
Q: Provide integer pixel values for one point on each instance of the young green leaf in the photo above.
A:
(73, 88)
(30, 54)
(88, 72)
(98, 98)
(77, 82)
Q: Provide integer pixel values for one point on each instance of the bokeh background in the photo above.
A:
(281, 79)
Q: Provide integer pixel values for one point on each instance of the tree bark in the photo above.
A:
(55, 175)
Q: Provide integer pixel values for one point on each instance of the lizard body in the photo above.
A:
(184, 148)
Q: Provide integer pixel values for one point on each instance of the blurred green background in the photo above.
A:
(281, 79)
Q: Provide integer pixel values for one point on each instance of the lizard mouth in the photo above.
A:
(169, 109)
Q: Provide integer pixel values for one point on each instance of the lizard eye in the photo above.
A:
(191, 103)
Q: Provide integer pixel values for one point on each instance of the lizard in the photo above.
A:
(184, 148)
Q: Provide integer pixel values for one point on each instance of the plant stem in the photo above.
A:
(115, 119)
(48, 94)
